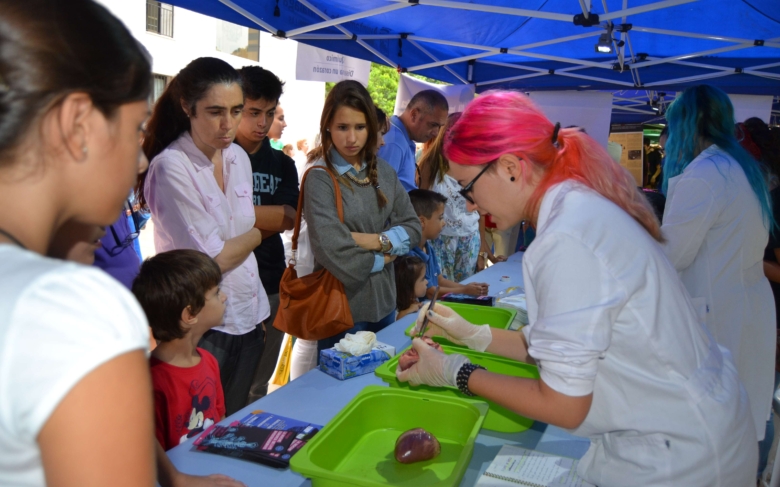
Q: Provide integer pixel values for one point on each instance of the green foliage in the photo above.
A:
(383, 85)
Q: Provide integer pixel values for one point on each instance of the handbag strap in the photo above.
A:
(339, 206)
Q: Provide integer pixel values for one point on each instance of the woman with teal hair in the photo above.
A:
(716, 223)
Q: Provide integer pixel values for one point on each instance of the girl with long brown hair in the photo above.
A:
(379, 221)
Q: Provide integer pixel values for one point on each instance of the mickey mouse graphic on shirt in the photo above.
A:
(203, 412)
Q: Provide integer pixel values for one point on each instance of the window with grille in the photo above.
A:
(159, 83)
(238, 40)
(159, 18)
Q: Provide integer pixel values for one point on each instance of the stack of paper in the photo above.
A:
(516, 302)
(517, 466)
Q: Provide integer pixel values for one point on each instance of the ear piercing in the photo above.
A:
(512, 178)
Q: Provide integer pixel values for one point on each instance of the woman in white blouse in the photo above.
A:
(623, 357)
(716, 219)
(199, 190)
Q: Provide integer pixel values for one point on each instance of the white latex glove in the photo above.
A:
(434, 368)
(445, 322)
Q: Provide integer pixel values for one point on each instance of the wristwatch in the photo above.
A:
(484, 255)
(385, 242)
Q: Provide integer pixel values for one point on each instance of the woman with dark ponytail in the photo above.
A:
(379, 221)
(199, 191)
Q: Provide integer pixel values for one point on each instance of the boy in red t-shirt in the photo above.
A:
(179, 292)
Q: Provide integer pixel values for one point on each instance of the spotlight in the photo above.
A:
(604, 45)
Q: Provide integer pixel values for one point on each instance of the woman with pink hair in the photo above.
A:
(622, 353)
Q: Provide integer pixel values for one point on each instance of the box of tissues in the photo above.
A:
(356, 354)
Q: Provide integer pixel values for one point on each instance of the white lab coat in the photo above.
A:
(715, 239)
(608, 315)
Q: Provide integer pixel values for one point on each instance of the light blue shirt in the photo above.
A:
(432, 268)
(398, 151)
(397, 235)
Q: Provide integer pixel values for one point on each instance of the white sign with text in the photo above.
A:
(316, 64)
(458, 96)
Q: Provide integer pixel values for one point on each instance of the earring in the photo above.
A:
(84, 149)
(512, 178)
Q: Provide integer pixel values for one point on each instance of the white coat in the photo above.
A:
(608, 315)
(715, 239)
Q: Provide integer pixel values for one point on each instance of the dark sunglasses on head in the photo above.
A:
(465, 192)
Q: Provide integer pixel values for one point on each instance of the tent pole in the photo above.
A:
(644, 8)
(360, 42)
(700, 65)
(376, 53)
(736, 47)
(686, 79)
(594, 78)
(667, 32)
(762, 74)
(764, 66)
(515, 66)
(635, 110)
(585, 4)
(249, 16)
(321, 37)
(579, 62)
(348, 18)
(511, 78)
(421, 48)
(497, 10)
(454, 60)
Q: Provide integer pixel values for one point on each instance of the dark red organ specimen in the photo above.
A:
(416, 445)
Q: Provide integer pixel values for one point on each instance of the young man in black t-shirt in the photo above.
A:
(275, 196)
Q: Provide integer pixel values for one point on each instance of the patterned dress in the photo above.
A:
(457, 248)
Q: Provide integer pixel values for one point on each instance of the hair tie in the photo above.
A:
(377, 186)
(555, 134)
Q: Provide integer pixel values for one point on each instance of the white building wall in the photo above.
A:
(195, 35)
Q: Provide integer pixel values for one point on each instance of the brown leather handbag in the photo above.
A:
(314, 306)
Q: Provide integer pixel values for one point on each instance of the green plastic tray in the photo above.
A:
(479, 315)
(356, 448)
(498, 418)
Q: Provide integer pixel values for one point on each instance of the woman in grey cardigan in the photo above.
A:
(379, 221)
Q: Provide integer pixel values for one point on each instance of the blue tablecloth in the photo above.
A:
(318, 397)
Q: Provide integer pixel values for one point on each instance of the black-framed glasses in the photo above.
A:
(138, 222)
(121, 244)
(467, 189)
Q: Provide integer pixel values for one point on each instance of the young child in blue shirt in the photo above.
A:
(429, 206)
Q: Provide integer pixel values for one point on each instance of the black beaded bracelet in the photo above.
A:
(462, 378)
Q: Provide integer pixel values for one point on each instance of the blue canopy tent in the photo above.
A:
(649, 49)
